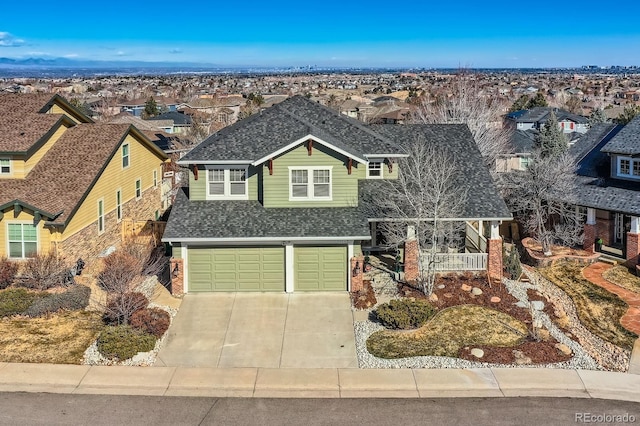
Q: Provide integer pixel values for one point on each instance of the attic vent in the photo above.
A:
(21, 133)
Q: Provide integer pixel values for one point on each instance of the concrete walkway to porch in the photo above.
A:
(268, 330)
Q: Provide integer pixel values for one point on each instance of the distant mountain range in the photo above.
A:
(82, 63)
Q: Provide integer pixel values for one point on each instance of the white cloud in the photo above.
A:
(120, 53)
(71, 55)
(8, 40)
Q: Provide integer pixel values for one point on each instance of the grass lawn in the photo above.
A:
(448, 331)
(598, 310)
(620, 276)
(59, 338)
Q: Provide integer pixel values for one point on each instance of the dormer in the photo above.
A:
(624, 150)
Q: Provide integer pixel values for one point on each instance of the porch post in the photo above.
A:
(590, 231)
(480, 233)
(411, 256)
(633, 242)
(494, 261)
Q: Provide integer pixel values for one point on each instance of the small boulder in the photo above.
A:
(476, 291)
(466, 287)
(521, 358)
(448, 295)
(537, 305)
(477, 352)
(563, 348)
(433, 297)
(495, 299)
(522, 305)
(441, 286)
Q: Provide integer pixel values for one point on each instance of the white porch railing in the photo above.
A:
(457, 261)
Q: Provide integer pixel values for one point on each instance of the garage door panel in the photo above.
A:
(320, 268)
(236, 269)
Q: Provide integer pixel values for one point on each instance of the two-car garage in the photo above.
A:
(315, 268)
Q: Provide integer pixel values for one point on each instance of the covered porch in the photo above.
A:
(613, 233)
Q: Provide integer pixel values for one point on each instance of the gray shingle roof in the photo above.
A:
(627, 141)
(591, 161)
(483, 199)
(607, 194)
(209, 220)
(274, 128)
(541, 115)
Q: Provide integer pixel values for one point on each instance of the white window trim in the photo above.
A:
(227, 182)
(310, 171)
(135, 189)
(128, 156)
(376, 160)
(102, 216)
(119, 205)
(21, 222)
(631, 161)
(10, 167)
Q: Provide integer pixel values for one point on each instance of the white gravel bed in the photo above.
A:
(581, 359)
(142, 359)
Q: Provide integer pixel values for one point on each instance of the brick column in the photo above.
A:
(589, 238)
(356, 276)
(633, 249)
(411, 253)
(177, 277)
(494, 261)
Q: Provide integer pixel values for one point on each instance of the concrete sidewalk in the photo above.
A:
(318, 383)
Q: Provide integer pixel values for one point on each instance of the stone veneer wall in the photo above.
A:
(494, 260)
(87, 244)
(633, 249)
(590, 232)
(177, 276)
(356, 280)
(411, 253)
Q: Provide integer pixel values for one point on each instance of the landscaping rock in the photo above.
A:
(477, 352)
(537, 305)
(563, 348)
(466, 287)
(522, 304)
(521, 359)
(441, 286)
(433, 297)
(448, 295)
(476, 291)
(495, 299)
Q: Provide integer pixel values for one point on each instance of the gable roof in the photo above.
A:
(62, 178)
(261, 135)
(541, 115)
(587, 151)
(627, 141)
(175, 116)
(484, 200)
(23, 122)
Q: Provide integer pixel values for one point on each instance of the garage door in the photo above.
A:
(236, 269)
(320, 268)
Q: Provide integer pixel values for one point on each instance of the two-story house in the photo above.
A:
(536, 118)
(66, 182)
(273, 200)
(609, 188)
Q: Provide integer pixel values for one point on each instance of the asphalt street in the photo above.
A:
(95, 410)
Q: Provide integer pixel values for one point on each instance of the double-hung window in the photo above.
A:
(629, 167)
(374, 169)
(310, 183)
(100, 216)
(23, 240)
(125, 156)
(5, 166)
(227, 183)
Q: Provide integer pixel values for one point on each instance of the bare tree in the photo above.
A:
(423, 200)
(469, 105)
(537, 197)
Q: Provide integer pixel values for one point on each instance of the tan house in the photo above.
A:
(66, 182)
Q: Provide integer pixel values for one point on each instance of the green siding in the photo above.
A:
(344, 186)
(176, 250)
(198, 188)
(320, 268)
(236, 269)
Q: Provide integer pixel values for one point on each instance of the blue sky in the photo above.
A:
(328, 33)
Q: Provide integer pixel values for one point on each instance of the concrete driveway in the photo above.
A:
(262, 330)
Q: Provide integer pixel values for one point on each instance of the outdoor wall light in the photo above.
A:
(356, 270)
(176, 271)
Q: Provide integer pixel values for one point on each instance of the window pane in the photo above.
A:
(15, 249)
(216, 175)
(299, 191)
(375, 169)
(636, 168)
(299, 176)
(216, 188)
(321, 190)
(624, 167)
(321, 176)
(15, 232)
(237, 188)
(30, 249)
(5, 166)
(236, 175)
(30, 233)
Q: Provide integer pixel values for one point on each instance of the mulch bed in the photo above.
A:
(453, 294)
(365, 298)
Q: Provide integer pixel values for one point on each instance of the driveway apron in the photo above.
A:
(300, 330)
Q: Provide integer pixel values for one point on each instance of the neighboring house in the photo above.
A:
(66, 182)
(608, 178)
(536, 118)
(273, 200)
(173, 122)
(136, 106)
(520, 150)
